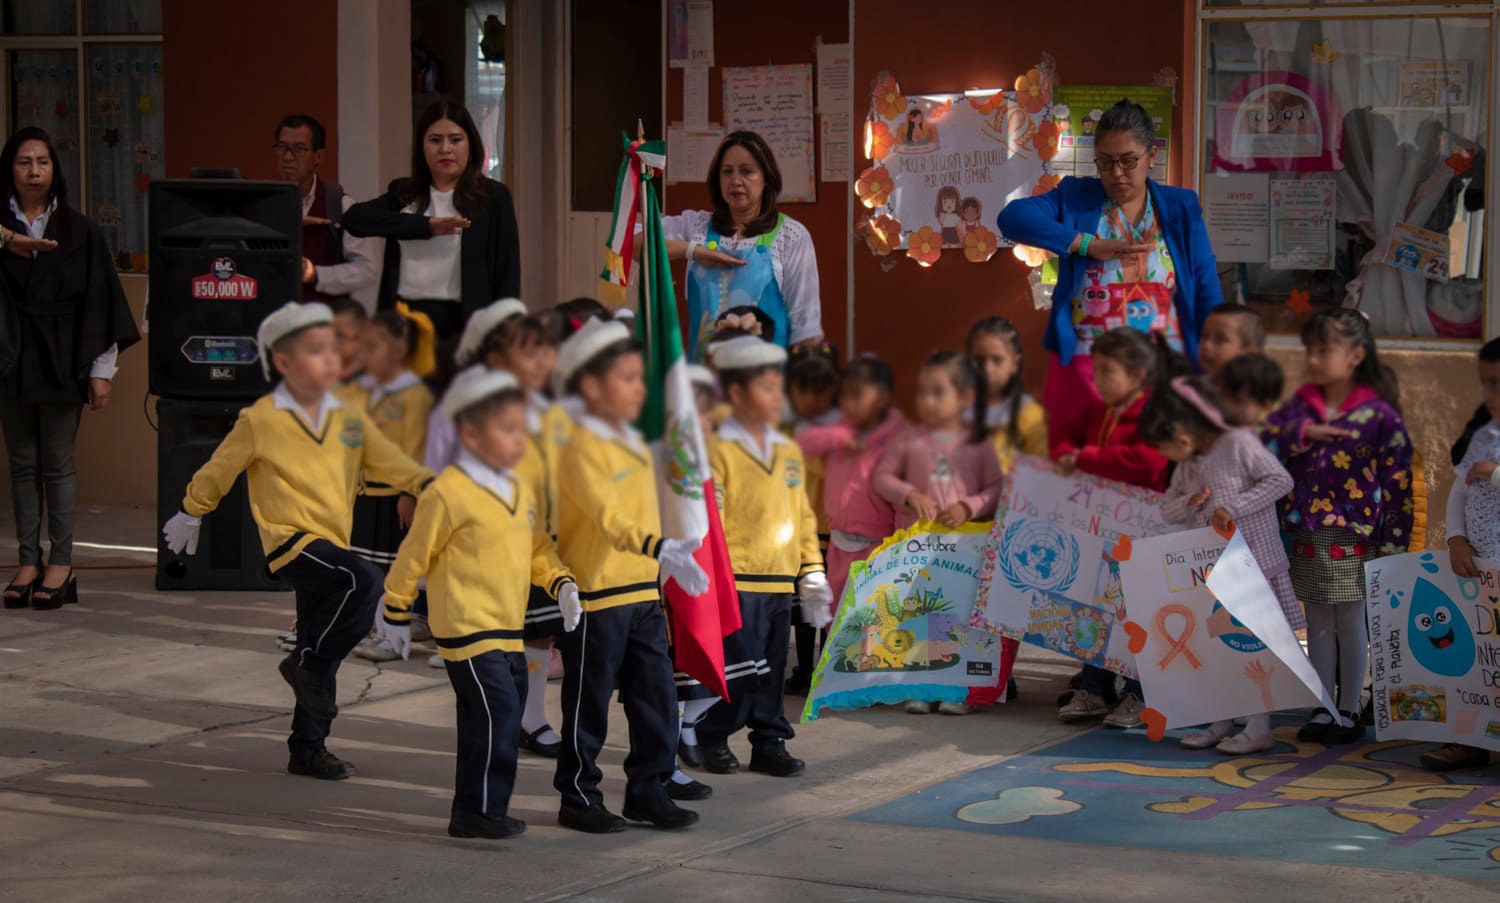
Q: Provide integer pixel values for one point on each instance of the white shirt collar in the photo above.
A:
(282, 398)
(536, 405)
(604, 430)
(38, 227)
(312, 192)
(501, 482)
(734, 431)
(403, 381)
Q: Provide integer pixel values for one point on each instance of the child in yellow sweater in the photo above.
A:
(478, 538)
(303, 451)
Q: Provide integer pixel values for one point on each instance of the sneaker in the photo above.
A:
(435, 660)
(421, 633)
(473, 824)
(287, 642)
(1451, 756)
(320, 764)
(920, 707)
(375, 650)
(1127, 714)
(1082, 706)
(954, 708)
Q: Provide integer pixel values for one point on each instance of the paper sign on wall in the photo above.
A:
(690, 33)
(690, 151)
(1237, 211)
(776, 102)
(1302, 223)
(1418, 250)
(1079, 107)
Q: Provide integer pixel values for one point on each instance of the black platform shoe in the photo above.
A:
(23, 591)
(776, 762)
(56, 597)
(320, 764)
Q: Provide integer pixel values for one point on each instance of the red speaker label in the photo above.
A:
(225, 283)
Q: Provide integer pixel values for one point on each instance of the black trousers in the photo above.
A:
(491, 691)
(337, 592)
(757, 652)
(624, 646)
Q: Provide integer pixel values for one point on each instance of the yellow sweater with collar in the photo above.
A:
(538, 467)
(1031, 429)
(302, 483)
(609, 532)
(402, 417)
(480, 555)
(769, 524)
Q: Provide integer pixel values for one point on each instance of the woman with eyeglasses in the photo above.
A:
(452, 245)
(1132, 252)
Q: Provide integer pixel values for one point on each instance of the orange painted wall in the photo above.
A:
(234, 69)
(778, 32)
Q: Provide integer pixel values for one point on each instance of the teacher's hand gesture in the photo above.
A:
(713, 257)
(23, 245)
(1114, 248)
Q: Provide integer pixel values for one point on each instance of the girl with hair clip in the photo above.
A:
(1342, 439)
(1225, 478)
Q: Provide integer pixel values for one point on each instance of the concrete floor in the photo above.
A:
(142, 756)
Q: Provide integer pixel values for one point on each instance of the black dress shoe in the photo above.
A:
(22, 591)
(776, 762)
(314, 691)
(530, 743)
(662, 814)
(320, 764)
(1313, 731)
(472, 824)
(719, 760)
(686, 793)
(690, 753)
(1012, 692)
(590, 820)
(1339, 735)
(56, 596)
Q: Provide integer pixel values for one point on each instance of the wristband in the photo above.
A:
(692, 247)
(1083, 243)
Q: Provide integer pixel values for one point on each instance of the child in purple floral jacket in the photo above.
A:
(1342, 439)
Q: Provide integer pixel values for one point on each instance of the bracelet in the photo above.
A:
(691, 248)
(1083, 243)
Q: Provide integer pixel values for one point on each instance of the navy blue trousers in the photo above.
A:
(755, 663)
(337, 592)
(491, 691)
(624, 647)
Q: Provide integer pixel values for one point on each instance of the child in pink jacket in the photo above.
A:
(858, 518)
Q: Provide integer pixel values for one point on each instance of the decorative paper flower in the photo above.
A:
(1033, 91)
(874, 186)
(881, 234)
(878, 139)
(980, 245)
(1060, 113)
(1032, 257)
(1324, 54)
(886, 95)
(1044, 139)
(1046, 183)
(924, 246)
(988, 103)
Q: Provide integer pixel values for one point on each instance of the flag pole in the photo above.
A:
(643, 317)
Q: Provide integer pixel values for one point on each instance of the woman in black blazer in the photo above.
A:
(451, 241)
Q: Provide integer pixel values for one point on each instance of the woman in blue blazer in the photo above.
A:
(1131, 253)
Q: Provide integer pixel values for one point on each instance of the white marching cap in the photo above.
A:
(700, 375)
(285, 320)
(743, 352)
(480, 324)
(591, 338)
(473, 385)
(624, 313)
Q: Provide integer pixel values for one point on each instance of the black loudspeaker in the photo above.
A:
(229, 554)
(224, 253)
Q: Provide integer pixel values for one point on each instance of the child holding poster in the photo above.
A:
(1127, 365)
(1224, 477)
(1342, 438)
(1474, 518)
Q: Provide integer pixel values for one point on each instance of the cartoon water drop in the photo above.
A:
(1440, 637)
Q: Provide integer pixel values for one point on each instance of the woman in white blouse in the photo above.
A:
(745, 252)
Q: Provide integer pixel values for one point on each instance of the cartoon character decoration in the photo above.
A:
(1095, 296)
(946, 211)
(1140, 313)
(1440, 638)
(1277, 121)
(916, 132)
(970, 210)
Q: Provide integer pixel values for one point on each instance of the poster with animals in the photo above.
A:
(902, 631)
(1205, 656)
(1434, 649)
(1046, 579)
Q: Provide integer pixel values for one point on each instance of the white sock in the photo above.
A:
(535, 714)
(1258, 727)
(679, 777)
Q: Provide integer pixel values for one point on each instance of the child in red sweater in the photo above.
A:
(1127, 363)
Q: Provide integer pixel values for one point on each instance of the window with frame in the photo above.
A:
(89, 72)
(1342, 161)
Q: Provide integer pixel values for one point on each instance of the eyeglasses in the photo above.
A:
(296, 150)
(1126, 164)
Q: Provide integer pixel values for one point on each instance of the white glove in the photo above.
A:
(571, 605)
(181, 532)
(817, 599)
(398, 635)
(677, 564)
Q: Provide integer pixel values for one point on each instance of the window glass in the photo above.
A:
(44, 93)
(125, 143)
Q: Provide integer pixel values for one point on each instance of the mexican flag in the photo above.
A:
(670, 423)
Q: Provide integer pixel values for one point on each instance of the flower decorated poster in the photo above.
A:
(1046, 578)
(902, 631)
(1434, 649)
(1198, 657)
(941, 166)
